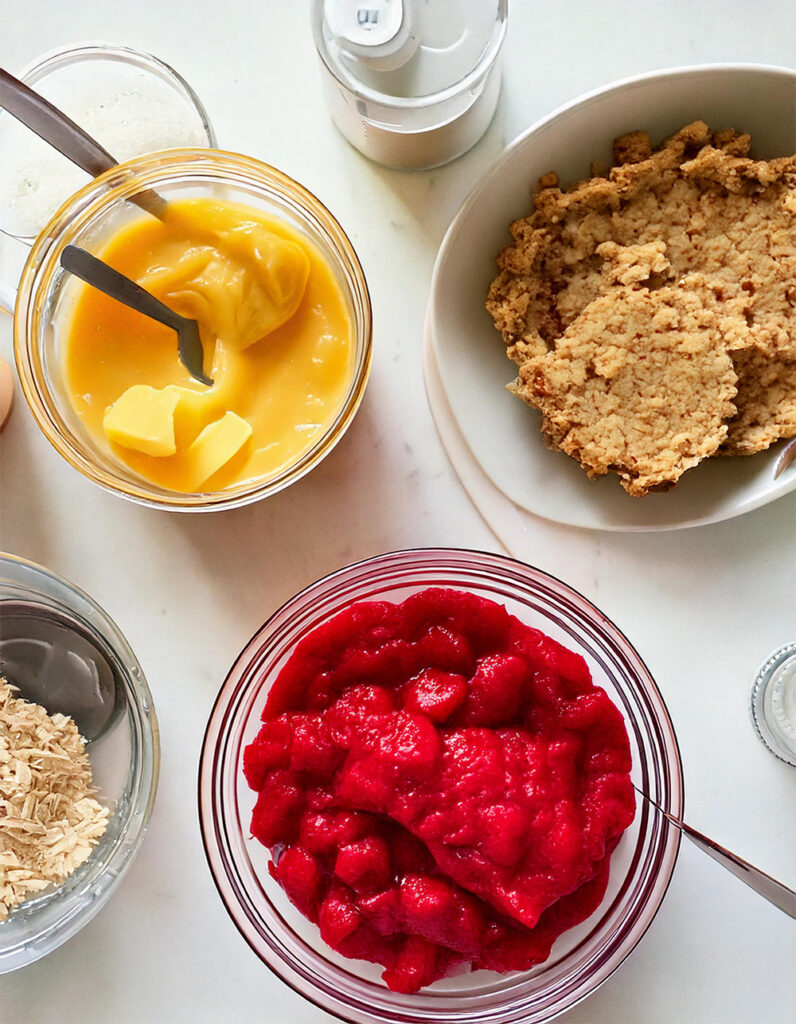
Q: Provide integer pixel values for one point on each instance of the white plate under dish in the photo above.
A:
(501, 431)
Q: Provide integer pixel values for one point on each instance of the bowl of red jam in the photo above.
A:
(416, 792)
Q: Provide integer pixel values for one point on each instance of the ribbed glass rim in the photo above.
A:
(46, 922)
(756, 705)
(513, 998)
(362, 91)
(158, 170)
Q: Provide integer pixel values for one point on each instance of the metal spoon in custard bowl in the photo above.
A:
(100, 275)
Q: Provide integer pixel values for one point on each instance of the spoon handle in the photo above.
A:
(786, 457)
(769, 888)
(50, 124)
(104, 278)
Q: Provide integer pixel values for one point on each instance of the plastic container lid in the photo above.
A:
(774, 703)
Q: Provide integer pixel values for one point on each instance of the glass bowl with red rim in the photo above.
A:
(641, 865)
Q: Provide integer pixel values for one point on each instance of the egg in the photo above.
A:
(6, 392)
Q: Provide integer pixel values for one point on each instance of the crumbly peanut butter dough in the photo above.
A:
(651, 312)
(627, 404)
(766, 401)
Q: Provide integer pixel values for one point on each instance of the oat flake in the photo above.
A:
(49, 819)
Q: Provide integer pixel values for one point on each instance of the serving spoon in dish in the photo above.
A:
(775, 892)
(61, 132)
(109, 281)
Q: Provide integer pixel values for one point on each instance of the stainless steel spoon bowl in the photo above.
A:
(786, 457)
(109, 281)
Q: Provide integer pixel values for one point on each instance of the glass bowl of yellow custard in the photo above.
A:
(284, 319)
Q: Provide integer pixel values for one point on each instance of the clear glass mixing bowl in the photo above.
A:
(641, 865)
(124, 761)
(47, 294)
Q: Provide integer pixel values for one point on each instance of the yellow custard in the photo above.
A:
(277, 337)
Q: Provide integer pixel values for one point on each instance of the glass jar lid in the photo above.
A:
(774, 703)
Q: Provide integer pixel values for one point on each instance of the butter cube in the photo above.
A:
(194, 410)
(142, 418)
(215, 446)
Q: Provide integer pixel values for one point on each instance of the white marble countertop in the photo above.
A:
(704, 606)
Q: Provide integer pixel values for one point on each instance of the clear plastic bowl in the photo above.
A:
(124, 761)
(641, 865)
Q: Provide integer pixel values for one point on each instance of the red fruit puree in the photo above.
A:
(439, 784)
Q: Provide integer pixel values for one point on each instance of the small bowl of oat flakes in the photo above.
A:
(73, 810)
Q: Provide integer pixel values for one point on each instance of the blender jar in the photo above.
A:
(411, 84)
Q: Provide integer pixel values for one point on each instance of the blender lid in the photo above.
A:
(382, 34)
(404, 50)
